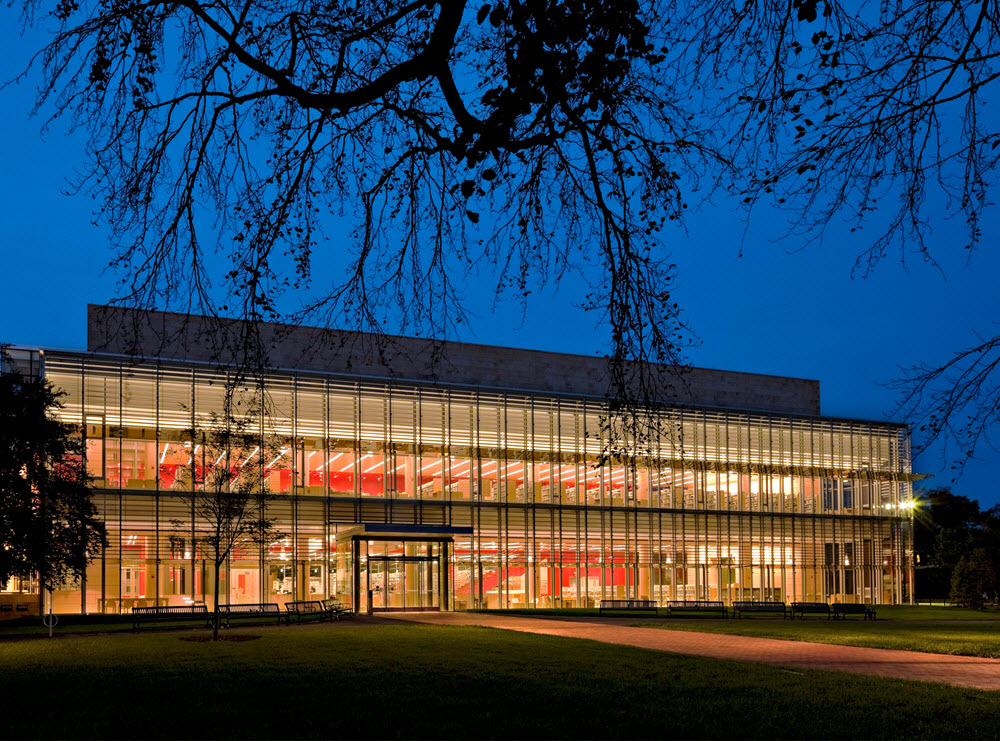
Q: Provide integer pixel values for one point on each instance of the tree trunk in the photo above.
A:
(215, 612)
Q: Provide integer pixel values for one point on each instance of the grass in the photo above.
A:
(32, 626)
(97, 623)
(554, 611)
(27, 627)
(410, 681)
(885, 612)
(963, 639)
(947, 630)
(925, 612)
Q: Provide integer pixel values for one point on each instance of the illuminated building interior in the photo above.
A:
(432, 496)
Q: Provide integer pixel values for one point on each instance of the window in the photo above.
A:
(830, 494)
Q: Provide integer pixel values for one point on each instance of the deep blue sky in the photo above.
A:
(775, 309)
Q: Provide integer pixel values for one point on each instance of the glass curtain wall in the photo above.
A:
(723, 505)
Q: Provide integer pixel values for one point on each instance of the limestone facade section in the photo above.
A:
(204, 339)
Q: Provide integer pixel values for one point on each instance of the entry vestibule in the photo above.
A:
(401, 568)
(404, 574)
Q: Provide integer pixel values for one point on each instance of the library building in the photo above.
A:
(404, 474)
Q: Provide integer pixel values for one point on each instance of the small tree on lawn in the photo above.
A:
(974, 580)
(230, 486)
(49, 526)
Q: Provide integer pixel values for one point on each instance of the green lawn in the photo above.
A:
(32, 626)
(404, 681)
(885, 612)
(964, 639)
(946, 630)
(97, 623)
(925, 612)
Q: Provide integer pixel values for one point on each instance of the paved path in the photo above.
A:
(964, 671)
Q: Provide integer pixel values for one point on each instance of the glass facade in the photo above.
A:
(484, 498)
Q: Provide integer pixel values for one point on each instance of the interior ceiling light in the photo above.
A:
(332, 459)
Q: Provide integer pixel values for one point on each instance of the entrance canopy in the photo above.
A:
(401, 567)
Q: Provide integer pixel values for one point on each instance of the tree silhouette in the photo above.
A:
(50, 528)
(541, 138)
(974, 580)
(228, 479)
(880, 113)
(947, 527)
(549, 124)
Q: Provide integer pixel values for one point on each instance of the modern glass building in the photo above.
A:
(430, 491)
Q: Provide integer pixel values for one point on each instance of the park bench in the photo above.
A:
(170, 613)
(262, 612)
(311, 609)
(770, 608)
(812, 608)
(841, 611)
(628, 604)
(336, 609)
(678, 608)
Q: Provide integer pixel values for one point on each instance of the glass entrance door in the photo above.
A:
(404, 575)
(378, 585)
(404, 583)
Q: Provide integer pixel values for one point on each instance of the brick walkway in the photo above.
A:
(964, 671)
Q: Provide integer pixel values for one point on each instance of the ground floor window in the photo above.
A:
(496, 556)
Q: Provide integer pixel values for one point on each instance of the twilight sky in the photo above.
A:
(775, 309)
